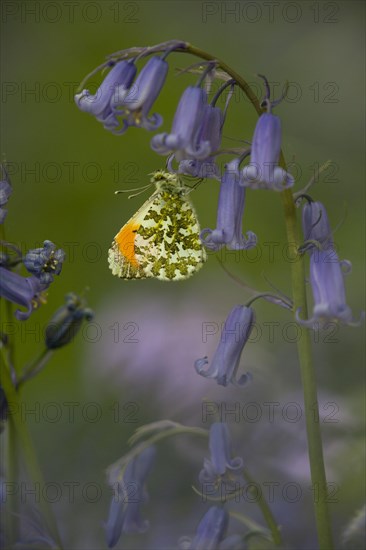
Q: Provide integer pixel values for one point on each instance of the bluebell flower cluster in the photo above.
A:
(191, 148)
(126, 96)
(121, 101)
(29, 292)
(129, 475)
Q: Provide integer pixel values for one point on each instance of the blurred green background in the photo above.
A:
(64, 170)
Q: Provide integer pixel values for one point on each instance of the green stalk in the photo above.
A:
(315, 449)
(34, 367)
(266, 512)
(308, 377)
(19, 429)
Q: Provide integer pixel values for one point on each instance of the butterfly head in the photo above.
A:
(168, 181)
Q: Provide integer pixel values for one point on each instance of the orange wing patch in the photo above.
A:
(125, 240)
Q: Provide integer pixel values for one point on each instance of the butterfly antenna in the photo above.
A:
(139, 191)
(196, 182)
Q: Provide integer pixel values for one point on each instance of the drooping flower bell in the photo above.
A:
(327, 284)
(117, 82)
(316, 227)
(23, 291)
(196, 134)
(130, 494)
(326, 270)
(210, 133)
(44, 262)
(263, 171)
(183, 139)
(134, 107)
(211, 529)
(66, 322)
(220, 467)
(234, 336)
(230, 211)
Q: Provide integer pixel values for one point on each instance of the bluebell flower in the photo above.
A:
(326, 271)
(44, 262)
(124, 512)
(117, 83)
(327, 284)
(66, 322)
(220, 467)
(234, 336)
(187, 139)
(316, 226)
(230, 210)
(134, 107)
(23, 291)
(263, 171)
(5, 192)
(209, 132)
(211, 529)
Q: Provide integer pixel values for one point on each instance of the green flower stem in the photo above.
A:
(308, 377)
(266, 512)
(247, 521)
(316, 459)
(20, 430)
(11, 522)
(36, 365)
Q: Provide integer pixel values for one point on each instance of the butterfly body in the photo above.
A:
(162, 239)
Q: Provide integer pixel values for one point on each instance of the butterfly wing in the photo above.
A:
(121, 256)
(161, 240)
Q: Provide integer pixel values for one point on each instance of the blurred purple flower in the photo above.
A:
(229, 215)
(66, 322)
(156, 339)
(234, 336)
(44, 262)
(211, 530)
(130, 494)
(23, 291)
(5, 192)
(220, 467)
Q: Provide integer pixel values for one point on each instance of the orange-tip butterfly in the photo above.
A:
(162, 239)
